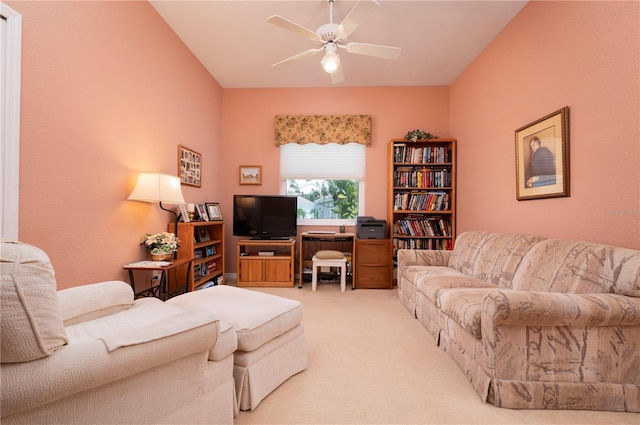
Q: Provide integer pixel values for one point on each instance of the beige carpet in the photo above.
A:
(371, 362)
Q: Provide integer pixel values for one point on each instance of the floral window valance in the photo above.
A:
(323, 129)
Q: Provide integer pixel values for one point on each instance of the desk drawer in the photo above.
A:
(373, 277)
(373, 264)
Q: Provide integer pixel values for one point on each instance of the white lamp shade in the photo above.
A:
(155, 187)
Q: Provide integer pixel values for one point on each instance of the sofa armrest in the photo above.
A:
(79, 367)
(554, 337)
(556, 309)
(88, 302)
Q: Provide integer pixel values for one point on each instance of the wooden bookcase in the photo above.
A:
(422, 194)
(204, 242)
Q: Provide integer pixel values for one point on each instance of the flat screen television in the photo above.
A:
(265, 216)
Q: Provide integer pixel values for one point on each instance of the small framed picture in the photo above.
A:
(183, 213)
(542, 157)
(202, 212)
(214, 211)
(251, 174)
(202, 235)
(189, 166)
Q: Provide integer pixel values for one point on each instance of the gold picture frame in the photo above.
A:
(189, 166)
(542, 157)
(214, 211)
(251, 174)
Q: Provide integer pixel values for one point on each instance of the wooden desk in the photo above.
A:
(160, 290)
(310, 243)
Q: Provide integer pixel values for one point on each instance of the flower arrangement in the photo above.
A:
(160, 243)
(416, 135)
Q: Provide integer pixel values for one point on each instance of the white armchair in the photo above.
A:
(91, 354)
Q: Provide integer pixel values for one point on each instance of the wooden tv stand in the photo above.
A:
(266, 262)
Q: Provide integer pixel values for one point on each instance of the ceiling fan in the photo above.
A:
(331, 37)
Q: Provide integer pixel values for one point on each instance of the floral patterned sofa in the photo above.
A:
(533, 323)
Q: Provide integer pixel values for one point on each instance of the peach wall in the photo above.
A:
(248, 133)
(108, 90)
(584, 55)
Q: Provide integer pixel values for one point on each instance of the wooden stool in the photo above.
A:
(329, 258)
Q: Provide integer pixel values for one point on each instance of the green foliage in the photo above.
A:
(342, 194)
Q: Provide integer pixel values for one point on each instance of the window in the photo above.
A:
(328, 179)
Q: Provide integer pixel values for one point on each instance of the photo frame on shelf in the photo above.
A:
(251, 174)
(184, 215)
(202, 235)
(214, 211)
(189, 166)
(542, 157)
(202, 212)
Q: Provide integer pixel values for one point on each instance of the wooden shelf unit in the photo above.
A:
(276, 270)
(422, 194)
(208, 255)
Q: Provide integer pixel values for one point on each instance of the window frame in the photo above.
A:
(299, 174)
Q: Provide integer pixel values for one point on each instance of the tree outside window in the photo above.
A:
(326, 199)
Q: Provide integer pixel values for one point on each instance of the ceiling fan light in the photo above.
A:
(330, 62)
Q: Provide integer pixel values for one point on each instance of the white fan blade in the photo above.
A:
(355, 17)
(294, 58)
(292, 26)
(384, 52)
(338, 76)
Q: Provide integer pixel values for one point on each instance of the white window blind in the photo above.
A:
(329, 162)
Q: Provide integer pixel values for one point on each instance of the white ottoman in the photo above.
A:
(271, 343)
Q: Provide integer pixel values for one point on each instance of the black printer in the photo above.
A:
(369, 228)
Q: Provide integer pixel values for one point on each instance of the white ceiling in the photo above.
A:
(439, 39)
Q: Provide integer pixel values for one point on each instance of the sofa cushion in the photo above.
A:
(490, 256)
(432, 280)
(575, 267)
(31, 323)
(226, 344)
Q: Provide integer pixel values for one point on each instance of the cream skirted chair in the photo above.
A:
(91, 354)
(329, 258)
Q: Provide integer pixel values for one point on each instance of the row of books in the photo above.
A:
(424, 177)
(422, 201)
(441, 244)
(204, 269)
(403, 152)
(422, 226)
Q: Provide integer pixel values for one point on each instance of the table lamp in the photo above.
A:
(156, 187)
